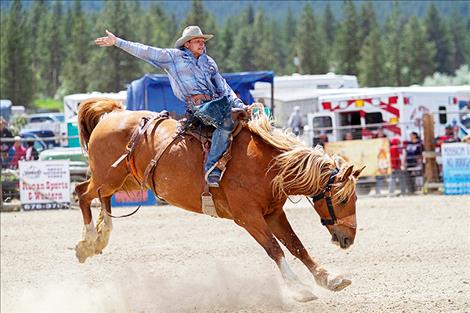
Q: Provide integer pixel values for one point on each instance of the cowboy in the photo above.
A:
(195, 79)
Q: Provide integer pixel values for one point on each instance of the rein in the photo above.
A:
(326, 194)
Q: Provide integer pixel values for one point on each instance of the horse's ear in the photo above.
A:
(345, 175)
(356, 173)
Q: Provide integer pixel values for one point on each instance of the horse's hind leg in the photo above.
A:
(258, 228)
(104, 225)
(282, 229)
(86, 247)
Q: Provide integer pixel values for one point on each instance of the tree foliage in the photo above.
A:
(48, 50)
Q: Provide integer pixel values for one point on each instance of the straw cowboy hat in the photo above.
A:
(189, 33)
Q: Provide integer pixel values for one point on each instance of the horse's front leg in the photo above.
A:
(258, 228)
(282, 229)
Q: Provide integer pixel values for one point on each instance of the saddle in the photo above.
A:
(188, 126)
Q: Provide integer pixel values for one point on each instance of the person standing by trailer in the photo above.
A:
(296, 122)
(396, 155)
(414, 161)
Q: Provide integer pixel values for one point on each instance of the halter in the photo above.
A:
(327, 195)
(349, 221)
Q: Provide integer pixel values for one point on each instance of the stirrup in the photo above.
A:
(213, 181)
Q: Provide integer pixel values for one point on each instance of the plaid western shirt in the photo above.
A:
(188, 75)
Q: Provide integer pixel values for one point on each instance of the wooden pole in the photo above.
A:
(431, 169)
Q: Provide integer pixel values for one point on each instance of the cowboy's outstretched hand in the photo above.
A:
(107, 41)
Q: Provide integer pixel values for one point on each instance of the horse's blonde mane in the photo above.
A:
(300, 169)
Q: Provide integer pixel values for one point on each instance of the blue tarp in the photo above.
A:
(153, 91)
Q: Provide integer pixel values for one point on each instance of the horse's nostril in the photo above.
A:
(334, 237)
(347, 241)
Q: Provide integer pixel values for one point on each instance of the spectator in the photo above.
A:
(16, 153)
(449, 135)
(466, 139)
(396, 154)
(5, 133)
(414, 161)
(296, 122)
(380, 133)
(322, 139)
(31, 152)
(348, 136)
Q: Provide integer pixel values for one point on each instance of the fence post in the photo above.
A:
(431, 169)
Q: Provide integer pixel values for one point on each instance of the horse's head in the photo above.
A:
(336, 203)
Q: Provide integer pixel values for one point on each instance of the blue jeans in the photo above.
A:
(217, 113)
(400, 175)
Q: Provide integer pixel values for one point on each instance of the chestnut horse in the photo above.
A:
(267, 166)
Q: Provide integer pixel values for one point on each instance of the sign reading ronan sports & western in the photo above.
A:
(44, 185)
(456, 168)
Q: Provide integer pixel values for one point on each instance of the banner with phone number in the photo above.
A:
(456, 168)
(44, 185)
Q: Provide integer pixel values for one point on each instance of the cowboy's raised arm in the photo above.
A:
(155, 56)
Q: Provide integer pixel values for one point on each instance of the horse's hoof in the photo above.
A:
(338, 283)
(300, 292)
(303, 295)
(82, 251)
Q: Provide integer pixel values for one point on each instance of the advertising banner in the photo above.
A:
(44, 185)
(123, 198)
(456, 168)
(373, 153)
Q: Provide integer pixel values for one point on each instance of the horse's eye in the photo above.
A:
(344, 201)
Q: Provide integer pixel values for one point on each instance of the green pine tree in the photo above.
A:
(114, 68)
(329, 25)
(16, 72)
(461, 40)
(197, 15)
(242, 55)
(394, 45)
(286, 43)
(75, 77)
(226, 45)
(264, 58)
(58, 46)
(438, 33)
(372, 63)
(367, 22)
(309, 44)
(418, 53)
(347, 41)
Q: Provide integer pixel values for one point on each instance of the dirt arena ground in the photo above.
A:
(411, 254)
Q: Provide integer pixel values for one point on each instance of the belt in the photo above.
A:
(198, 99)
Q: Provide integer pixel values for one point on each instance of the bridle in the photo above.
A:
(326, 194)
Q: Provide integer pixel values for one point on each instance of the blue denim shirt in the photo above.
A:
(188, 75)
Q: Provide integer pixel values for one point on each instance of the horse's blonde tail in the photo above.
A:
(89, 114)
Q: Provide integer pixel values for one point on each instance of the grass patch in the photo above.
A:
(48, 104)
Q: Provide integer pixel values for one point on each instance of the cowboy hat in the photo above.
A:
(189, 33)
